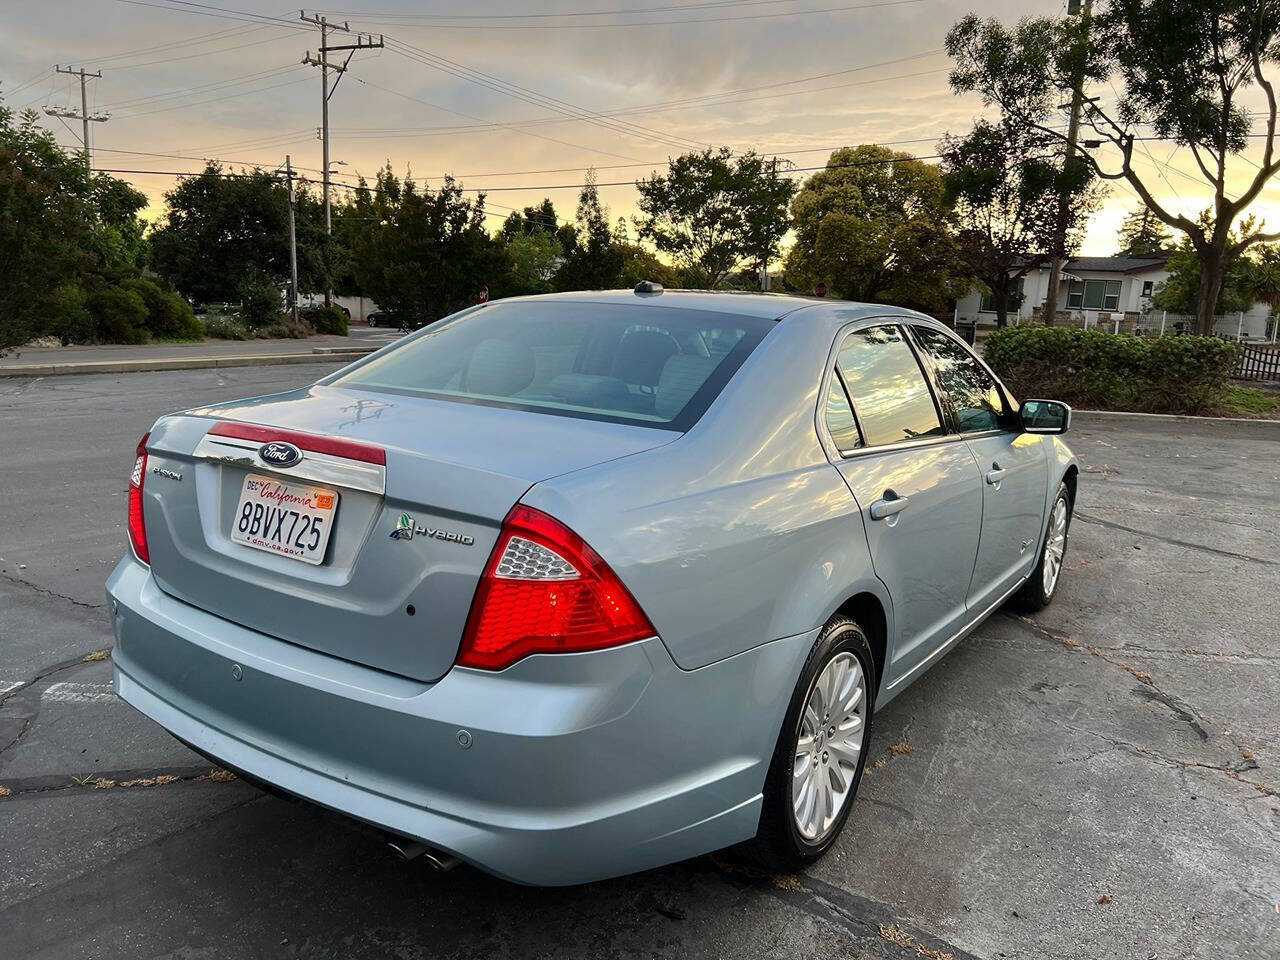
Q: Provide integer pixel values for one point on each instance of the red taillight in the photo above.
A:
(137, 523)
(545, 590)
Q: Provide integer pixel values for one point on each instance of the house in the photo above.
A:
(1110, 292)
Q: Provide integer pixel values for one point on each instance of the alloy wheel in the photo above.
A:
(1056, 546)
(828, 746)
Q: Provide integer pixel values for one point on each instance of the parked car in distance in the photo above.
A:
(596, 581)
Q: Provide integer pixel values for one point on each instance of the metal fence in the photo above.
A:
(1258, 361)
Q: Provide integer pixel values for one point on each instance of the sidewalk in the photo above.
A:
(53, 361)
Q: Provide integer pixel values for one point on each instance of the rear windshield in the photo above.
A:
(629, 363)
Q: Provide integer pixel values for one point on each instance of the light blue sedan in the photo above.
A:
(567, 587)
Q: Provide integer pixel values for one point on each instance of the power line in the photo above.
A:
(447, 25)
(496, 125)
(564, 14)
(369, 133)
(518, 92)
(204, 87)
(201, 103)
(208, 10)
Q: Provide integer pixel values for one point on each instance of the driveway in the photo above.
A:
(1100, 780)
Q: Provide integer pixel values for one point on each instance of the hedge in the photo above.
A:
(1106, 371)
(330, 320)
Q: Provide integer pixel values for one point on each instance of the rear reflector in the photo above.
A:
(332, 446)
(545, 590)
(137, 522)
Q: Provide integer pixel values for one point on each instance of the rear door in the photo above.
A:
(916, 484)
(1014, 465)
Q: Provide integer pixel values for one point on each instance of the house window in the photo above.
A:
(1094, 295)
(1015, 297)
(1148, 287)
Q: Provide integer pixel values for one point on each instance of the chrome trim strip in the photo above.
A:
(959, 634)
(318, 467)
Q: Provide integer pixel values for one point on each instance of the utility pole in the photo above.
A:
(293, 243)
(83, 116)
(363, 42)
(1073, 137)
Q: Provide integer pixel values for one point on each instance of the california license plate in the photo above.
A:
(292, 519)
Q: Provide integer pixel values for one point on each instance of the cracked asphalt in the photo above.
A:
(1099, 781)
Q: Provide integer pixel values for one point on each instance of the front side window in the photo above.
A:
(628, 363)
(889, 392)
(973, 392)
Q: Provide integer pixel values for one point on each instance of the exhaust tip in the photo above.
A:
(409, 849)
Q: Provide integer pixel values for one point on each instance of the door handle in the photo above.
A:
(888, 507)
(995, 474)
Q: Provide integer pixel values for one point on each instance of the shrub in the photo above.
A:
(118, 315)
(286, 329)
(168, 315)
(67, 316)
(259, 300)
(1091, 368)
(225, 328)
(330, 320)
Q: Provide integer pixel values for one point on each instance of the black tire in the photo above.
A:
(778, 845)
(1034, 595)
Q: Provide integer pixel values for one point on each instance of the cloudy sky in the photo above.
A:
(516, 97)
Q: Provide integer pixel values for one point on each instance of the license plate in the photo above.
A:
(292, 519)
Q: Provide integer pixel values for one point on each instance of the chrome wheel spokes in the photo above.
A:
(1055, 546)
(828, 745)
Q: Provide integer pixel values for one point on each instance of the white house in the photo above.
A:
(1110, 292)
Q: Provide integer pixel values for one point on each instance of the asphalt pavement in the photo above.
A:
(1101, 780)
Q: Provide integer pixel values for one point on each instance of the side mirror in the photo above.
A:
(1045, 416)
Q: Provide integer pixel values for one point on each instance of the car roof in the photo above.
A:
(769, 306)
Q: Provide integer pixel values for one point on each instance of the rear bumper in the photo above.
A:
(577, 767)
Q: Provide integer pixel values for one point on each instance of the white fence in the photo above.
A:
(1158, 323)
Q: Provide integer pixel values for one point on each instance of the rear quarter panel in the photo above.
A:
(740, 532)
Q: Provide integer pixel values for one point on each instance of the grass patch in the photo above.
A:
(1251, 402)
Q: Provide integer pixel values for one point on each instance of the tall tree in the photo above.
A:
(714, 212)
(1142, 234)
(1182, 69)
(874, 225)
(425, 254)
(220, 227)
(1005, 182)
(593, 261)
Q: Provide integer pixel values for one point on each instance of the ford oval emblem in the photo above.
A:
(277, 453)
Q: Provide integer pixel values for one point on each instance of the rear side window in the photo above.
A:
(887, 387)
(628, 363)
(839, 416)
(973, 392)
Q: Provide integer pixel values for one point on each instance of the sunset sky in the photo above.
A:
(514, 104)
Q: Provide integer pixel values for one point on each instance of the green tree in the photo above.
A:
(1180, 293)
(593, 260)
(534, 259)
(222, 226)
(1004, 183)
(1186, 70)
(424, 254)
(61, 230)
(874, 225)
(1142, 234)
(1264, 275)
(715, 213)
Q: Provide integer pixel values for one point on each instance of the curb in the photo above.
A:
(318, 355)
(1176, 417)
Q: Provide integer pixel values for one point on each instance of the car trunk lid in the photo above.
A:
(422, 487)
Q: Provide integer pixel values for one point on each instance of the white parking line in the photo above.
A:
(79, 693)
